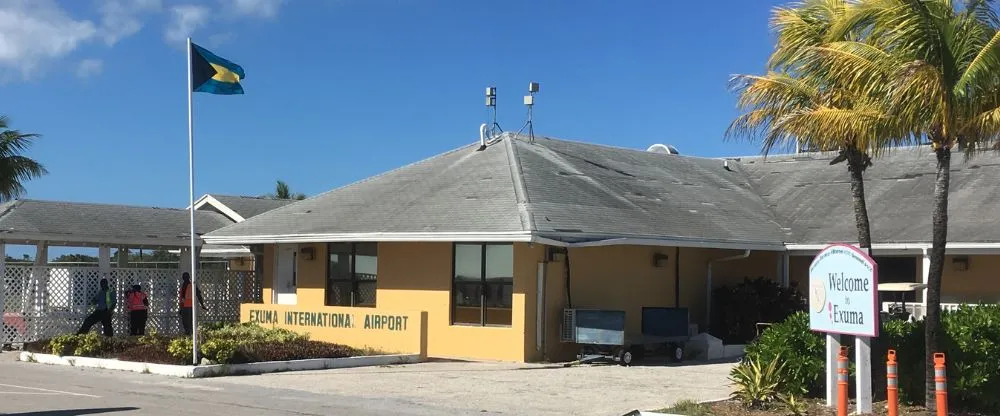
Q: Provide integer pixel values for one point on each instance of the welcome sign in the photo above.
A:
(843, 292)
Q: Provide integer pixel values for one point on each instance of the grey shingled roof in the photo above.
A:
(250, 206)
(813, 198)
(554, 188)
(75, 222)
(580, 188)
(459, 191)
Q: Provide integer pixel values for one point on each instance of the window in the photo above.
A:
(351, 274)
(483, 284)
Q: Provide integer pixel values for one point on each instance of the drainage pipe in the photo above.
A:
(708, 284)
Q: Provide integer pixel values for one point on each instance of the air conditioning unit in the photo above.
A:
(593, 326)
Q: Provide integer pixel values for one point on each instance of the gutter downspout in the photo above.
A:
(708, 287)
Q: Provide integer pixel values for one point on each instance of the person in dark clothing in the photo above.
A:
(186, 300)
(138, 305)
(104, 308)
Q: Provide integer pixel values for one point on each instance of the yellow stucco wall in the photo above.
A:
(979, 284)
(419, 275)
(388, 330)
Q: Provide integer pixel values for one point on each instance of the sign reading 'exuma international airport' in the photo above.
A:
(843, 292)
(329, 320)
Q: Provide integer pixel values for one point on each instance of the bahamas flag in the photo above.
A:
(214, 75)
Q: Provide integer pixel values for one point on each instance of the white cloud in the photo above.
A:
(33, 32)
(259, 8)
(121, 18)
(184, 20)
(89, 67)
(220, 39)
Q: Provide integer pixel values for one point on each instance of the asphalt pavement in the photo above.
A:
(29, 389)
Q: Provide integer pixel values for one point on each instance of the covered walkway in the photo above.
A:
(42, 300)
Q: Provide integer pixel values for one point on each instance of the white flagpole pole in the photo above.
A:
(194, 255)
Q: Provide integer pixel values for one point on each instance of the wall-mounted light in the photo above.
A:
(660, 259)
(960, 263)
(555, 253)
(308, 253)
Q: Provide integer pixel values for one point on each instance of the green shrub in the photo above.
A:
(736, 310)
(220, 350)
(794, 405)
(802, 350)
(756, 385)
(63, 344)
(181, 348)
(970, 339)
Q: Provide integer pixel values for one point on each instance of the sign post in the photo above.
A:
(843, 300)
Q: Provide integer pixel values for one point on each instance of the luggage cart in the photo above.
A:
(602, 334)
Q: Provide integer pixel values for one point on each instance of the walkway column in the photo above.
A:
(104, 260)
(41, 276)
(122, 257)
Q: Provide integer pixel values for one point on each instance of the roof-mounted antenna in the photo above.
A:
(491, 103)
(529, 101)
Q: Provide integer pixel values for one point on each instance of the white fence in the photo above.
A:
(39, 302)
(918, 310)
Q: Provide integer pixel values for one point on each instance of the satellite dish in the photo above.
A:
(663, 148)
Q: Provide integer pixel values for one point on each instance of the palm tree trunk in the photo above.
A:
(856, 166)
(932, 321)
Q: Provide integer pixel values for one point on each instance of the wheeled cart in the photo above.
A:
(601, 334)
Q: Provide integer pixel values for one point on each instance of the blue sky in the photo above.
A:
(340, 90)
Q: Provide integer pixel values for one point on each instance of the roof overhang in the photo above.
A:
(224, 252)
(904, 249)
(218, 205)
(555, 240)
(559, 240)
(370, 237)
(151, 242)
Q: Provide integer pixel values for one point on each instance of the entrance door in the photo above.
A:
(284, 275)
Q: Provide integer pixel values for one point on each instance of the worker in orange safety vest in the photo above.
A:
(186, 301)
(138, 310)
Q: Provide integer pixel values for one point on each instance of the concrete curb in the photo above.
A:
(185, 371)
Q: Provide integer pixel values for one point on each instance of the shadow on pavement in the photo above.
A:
(74, 412)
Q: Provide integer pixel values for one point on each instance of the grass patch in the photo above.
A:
(688, 408)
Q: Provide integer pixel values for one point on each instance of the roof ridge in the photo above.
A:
(521, 199)
(522, 137)
(102, 204)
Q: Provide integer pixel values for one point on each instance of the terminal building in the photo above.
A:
(475, 253)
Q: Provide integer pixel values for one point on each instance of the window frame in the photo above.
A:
(483, 285)
(353, 275)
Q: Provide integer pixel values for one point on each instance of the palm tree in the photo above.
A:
(939, 63)
(282, 191)
(15, 169)
(799, 103)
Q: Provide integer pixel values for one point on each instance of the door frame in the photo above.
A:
(275, 292)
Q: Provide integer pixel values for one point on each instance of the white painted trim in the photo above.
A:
(186, 371)
(910, 249)
(208, 199)
(668, 242)
(91, 241)
(517, 236)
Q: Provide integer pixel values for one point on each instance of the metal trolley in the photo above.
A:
(601, 334)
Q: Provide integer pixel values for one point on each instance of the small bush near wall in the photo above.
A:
(223, 344)
(801, 351)
(736, 310)
(970, 340)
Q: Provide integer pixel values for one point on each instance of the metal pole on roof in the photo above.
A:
(194, 255)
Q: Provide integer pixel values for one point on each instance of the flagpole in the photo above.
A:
(194, 255)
